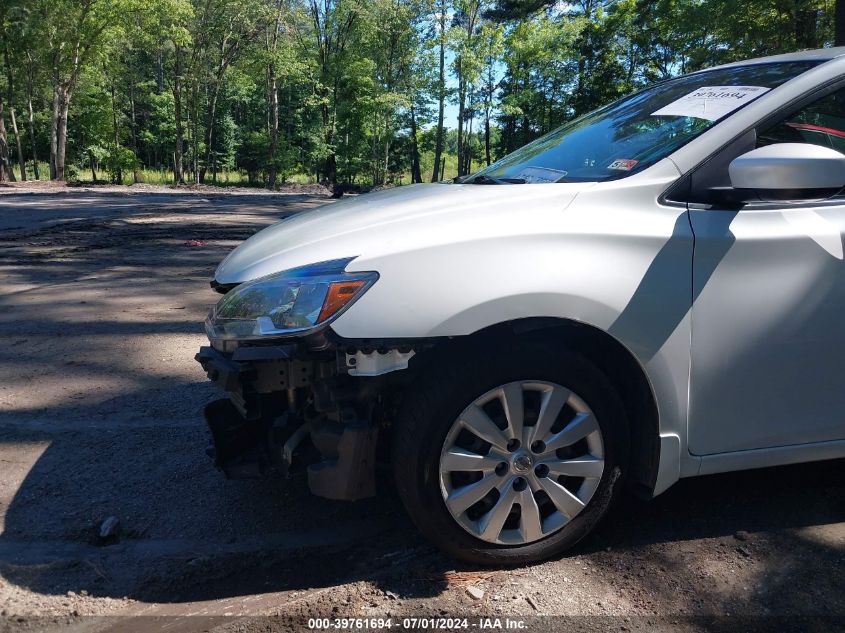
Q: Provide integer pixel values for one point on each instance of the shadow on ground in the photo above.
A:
(191, 536)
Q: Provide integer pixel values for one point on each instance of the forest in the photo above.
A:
(350, 93)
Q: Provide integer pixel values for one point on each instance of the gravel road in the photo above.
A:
(101, 304)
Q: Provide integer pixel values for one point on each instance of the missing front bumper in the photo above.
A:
(284, 413)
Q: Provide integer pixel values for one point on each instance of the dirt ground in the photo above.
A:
(102, 297)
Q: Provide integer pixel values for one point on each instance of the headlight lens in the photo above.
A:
(288, 302)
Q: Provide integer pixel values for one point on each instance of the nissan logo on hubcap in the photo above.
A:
(522, 464)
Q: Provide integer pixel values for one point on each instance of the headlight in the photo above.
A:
(288, 302)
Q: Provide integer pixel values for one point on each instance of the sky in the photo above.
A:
(450, 112)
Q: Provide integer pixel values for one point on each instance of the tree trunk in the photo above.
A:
(273, 99)
(117, 176)
(54, 122)
(61, 104)
(441, 94)
(209, 128)
(839, 23)
(331, 172)
(31, 120)
(6, 174)
(21, 161)
(178, 173)
(374, 159)
(461, 106)
(273, 123)
(416, 175)
(10, 84)
(62, 91)
(330, 166)
(487, 135)
(136, 171)
(386, 170)
(194, 125)
(467, 167)
(387, 136)
(61, 131)
(464, 158)
(63, 88)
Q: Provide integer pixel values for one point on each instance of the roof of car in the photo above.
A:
(818, 54)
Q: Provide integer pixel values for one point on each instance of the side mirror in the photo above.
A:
(789, 171)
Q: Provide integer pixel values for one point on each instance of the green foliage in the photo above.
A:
(120, 160)
(347, 91)
(252, 154)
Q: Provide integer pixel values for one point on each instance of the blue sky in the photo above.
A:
(450, 113)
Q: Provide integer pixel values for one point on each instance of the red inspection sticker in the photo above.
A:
(623, 164)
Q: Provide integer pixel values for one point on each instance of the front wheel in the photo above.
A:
(513, 458)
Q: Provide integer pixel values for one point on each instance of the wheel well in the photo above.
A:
(611, 357)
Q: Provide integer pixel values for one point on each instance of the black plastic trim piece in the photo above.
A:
(232, 377)
(216, 286)
(274, 352)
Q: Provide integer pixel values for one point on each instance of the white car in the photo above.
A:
(653, 291)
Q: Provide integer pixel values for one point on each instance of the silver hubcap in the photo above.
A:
(520, 462)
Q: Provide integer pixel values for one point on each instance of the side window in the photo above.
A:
(820, 123)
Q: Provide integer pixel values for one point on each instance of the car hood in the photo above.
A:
(402, 218)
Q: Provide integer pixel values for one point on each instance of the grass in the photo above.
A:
(147, 176)
(427, 165)
(43, 171)
(228, 177)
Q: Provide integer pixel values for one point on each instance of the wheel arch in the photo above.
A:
(613, 358)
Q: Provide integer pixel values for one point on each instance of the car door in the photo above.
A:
(768, 337)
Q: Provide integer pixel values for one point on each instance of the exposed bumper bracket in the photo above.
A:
(241, 446)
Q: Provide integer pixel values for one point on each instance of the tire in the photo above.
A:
(445, 393)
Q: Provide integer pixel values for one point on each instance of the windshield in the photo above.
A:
(637, 131)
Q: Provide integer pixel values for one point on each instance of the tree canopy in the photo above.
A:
(348, 92)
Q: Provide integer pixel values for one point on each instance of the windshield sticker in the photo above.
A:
(533, 174)
(711, 102)
(623, 164)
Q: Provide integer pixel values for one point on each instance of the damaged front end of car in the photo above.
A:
(298, 397)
